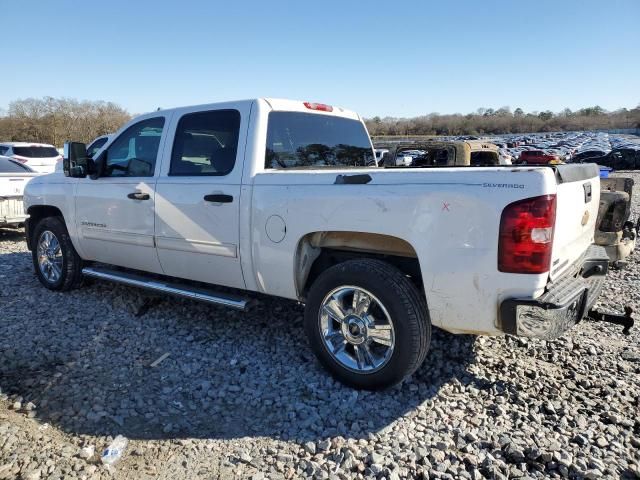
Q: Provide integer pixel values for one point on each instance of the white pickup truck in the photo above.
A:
(275, 196)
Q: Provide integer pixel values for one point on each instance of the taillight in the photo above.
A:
(526, 235)
(20, 159)
(318, 106)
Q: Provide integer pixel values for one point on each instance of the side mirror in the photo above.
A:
(75, 160)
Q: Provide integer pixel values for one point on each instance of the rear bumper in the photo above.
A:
(564, 303)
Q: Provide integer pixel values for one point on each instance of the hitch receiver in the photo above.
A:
(625, 320)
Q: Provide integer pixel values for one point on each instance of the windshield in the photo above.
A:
(95, 146)
(299, 140)
(35, 152)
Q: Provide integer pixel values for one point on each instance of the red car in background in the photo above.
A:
(538, 157)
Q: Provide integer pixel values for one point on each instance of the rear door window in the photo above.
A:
(306, 140)
(206, 143)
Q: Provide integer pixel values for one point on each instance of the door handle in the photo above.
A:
(218, 198)
(138, 196)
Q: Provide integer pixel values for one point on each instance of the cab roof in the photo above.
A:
(285, 105)
(279, 104)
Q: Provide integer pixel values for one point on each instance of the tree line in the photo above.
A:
(503, 120)
(55, 120)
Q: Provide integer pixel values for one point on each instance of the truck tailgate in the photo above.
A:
(578, 198)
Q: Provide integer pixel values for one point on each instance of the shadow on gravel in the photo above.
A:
(84, 358)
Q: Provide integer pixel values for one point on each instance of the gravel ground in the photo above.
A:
(240, 395)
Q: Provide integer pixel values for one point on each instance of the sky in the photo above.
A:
(394, 58)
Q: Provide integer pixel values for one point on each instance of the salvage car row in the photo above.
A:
(619, 152)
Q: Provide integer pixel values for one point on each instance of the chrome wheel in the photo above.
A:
(49, 257)
(356, 329)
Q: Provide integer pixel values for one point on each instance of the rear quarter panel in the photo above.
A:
(450, 216)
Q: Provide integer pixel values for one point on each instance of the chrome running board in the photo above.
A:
(177, 289)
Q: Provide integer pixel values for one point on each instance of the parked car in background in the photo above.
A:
(538, 157)
(627, 158)
(624, 158)
(406, 158)
(589, 155)
(40, 157)
(13, 178)
(561, 153)
(97, 144)
(505, 157)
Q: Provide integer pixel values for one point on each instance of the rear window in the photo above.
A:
(8, 166)
(35, 152)
(306, 140)
(206, 143)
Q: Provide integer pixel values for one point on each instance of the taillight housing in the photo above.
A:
(526, 235)
(321, 107)
(20, 159)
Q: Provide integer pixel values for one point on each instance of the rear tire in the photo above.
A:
(55, 261)
(378, 342)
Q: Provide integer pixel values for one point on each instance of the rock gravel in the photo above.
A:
(238, 395)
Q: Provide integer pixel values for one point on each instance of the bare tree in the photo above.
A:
(55, 120)
(490, 121)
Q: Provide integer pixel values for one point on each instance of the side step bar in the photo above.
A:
(177, 289)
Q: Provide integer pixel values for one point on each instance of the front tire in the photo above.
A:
(56, 263)
(367, 324)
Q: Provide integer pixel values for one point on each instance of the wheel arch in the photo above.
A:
(37, 213)
(317, 251)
